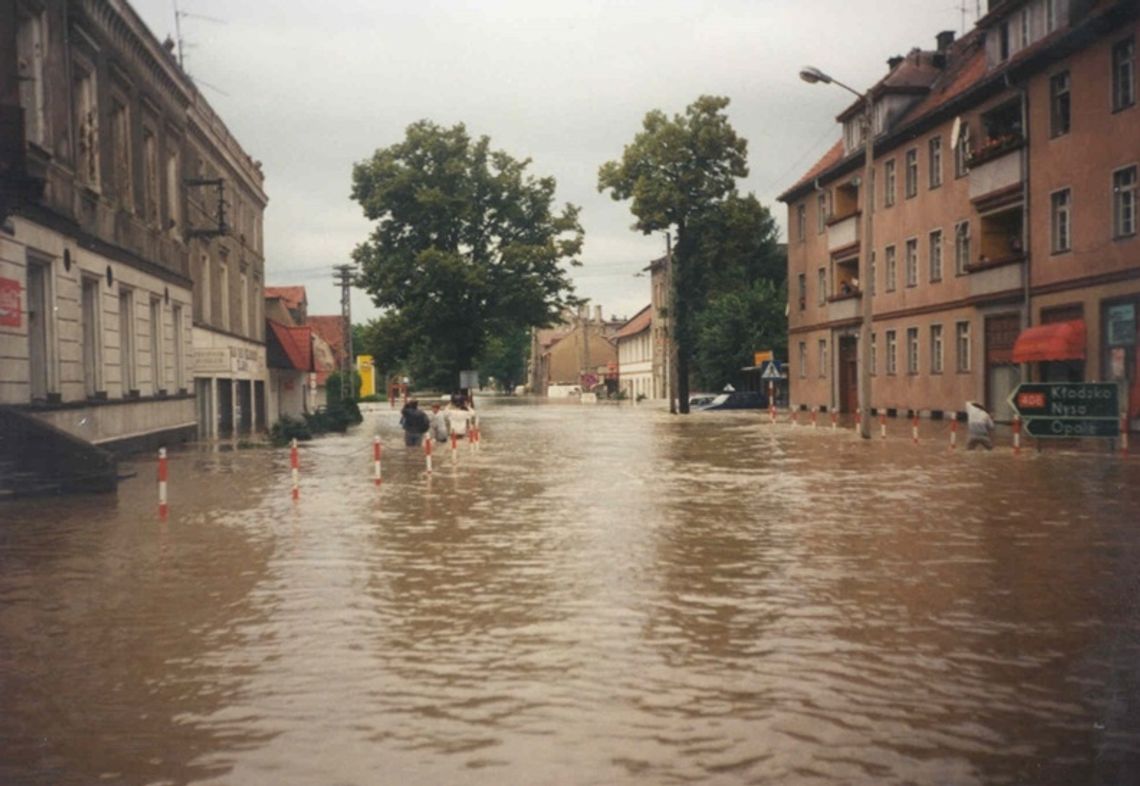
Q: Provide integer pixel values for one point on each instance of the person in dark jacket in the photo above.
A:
(415, 423)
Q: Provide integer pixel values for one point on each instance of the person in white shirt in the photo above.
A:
(979, 427)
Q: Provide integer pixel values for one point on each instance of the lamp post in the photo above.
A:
(812, 75)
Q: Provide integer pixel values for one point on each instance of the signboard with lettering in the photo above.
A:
(469, 379)
(1068, 409)
(1121, 325)
(10, 312)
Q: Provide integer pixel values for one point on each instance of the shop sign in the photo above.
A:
(1122, 325)
(10, 313)
(212, 360)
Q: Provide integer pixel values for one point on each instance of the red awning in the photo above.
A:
(1055, 341)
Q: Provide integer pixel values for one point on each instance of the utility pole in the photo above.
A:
(343, 276)
(586, 341)
(670, 340)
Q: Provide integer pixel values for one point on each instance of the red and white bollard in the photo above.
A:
(454, 447)
(478, 433)
(858, 418)
(295, 463)
(792, 409)
(834, 418)
(771, 403)
(162, 475)
(814, 413)
(376, 477)
(914, 428)
(883, 423)
(1016, 435)
(1124, 435)
(953, 430)
(427, 454)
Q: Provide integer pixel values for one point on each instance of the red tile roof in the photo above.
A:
(295, 343)
(830, 159)
(291, 296)
(331, 329)
(638, 323)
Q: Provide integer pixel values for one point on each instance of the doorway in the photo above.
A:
(848, 374)
(1002, 374)
(39, 313)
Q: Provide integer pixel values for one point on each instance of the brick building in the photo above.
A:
(1004, 233)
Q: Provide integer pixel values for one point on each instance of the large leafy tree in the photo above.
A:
(467, 246)
(676, 171)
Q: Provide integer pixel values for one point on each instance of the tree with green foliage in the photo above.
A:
(734, 323)
(504, 359)
(467, 246)
(676, 171)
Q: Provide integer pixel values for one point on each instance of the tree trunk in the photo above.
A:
(681, 316)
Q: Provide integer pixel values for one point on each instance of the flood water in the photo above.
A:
(599, 595)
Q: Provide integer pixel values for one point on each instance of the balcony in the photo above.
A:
(995, 170)
(844, 307)
(996, 276)
(843, 232)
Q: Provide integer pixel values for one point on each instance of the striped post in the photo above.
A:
(834, 418)
(295, 463)
(376, 476)
(771, 403)
(1124, 434)
(914, 428)
(953, 430)
(883, 423)
(814, 413)
(858, 418)
(427, 454)
(1016, 435)
(162, 476)
(792, 408)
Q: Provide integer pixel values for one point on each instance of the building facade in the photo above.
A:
(135, 245)
(1004, 219)
(635, 356)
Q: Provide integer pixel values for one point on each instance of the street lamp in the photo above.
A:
(813, 75)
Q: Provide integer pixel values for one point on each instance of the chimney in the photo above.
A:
(944, 39)
(893, 62)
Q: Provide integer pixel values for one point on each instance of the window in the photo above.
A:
(911, 183)
(821, 212)
(822, 284)
(204, 283)
(127, 340)
(912, 262)
(1059, 103)
(912, 350)
(150, 177)
(1050, 15)
(935, 349)
(30, 56)
(889, 183)
(873, 272)
(936, 255)
(177, 336)
(801, 221)
(1061, 216)
(91, 336)
(243, 296)
(935, 162)
(1124, 74)
(87, 127)
(803, 359)
(1124, 201)
(1023, 29)
(802, 288)
(224, 294)
(961, 247)
(173, 185)
(962, 149)
(823, 357)
(121, 154)
(962, 342)
(874, 355)
(157, 375)
(892, 270)
(892, 347)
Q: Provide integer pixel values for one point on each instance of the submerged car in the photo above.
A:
(736, 399)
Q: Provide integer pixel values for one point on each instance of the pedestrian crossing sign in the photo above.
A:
(771, 371)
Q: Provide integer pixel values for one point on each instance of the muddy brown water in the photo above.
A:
(599, 595)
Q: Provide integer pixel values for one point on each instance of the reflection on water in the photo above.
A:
(599, 595)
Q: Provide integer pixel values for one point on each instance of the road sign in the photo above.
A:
(1072, 427)
(1066, 400)
(772, 371)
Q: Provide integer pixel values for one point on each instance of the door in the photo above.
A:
(848, 374)
(38, 330)
(91, 336)
(1002, 374)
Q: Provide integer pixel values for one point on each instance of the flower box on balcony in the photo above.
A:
(995, 147)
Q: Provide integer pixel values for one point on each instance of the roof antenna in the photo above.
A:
(179, 41)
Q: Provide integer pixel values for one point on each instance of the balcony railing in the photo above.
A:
(844, 306)
(996, 168)
(843, 232)
(994, 276)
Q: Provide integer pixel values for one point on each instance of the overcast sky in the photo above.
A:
(311, 88)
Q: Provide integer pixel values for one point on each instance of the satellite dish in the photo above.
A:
(955, 130)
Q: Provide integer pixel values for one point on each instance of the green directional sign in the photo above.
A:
(1066, 400)
(1072, 427)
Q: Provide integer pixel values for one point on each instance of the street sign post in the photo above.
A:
(771, 371)
(1068, 409)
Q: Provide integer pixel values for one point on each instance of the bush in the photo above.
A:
(289, 428)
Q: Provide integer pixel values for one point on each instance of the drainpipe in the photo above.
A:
(1026, 316)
